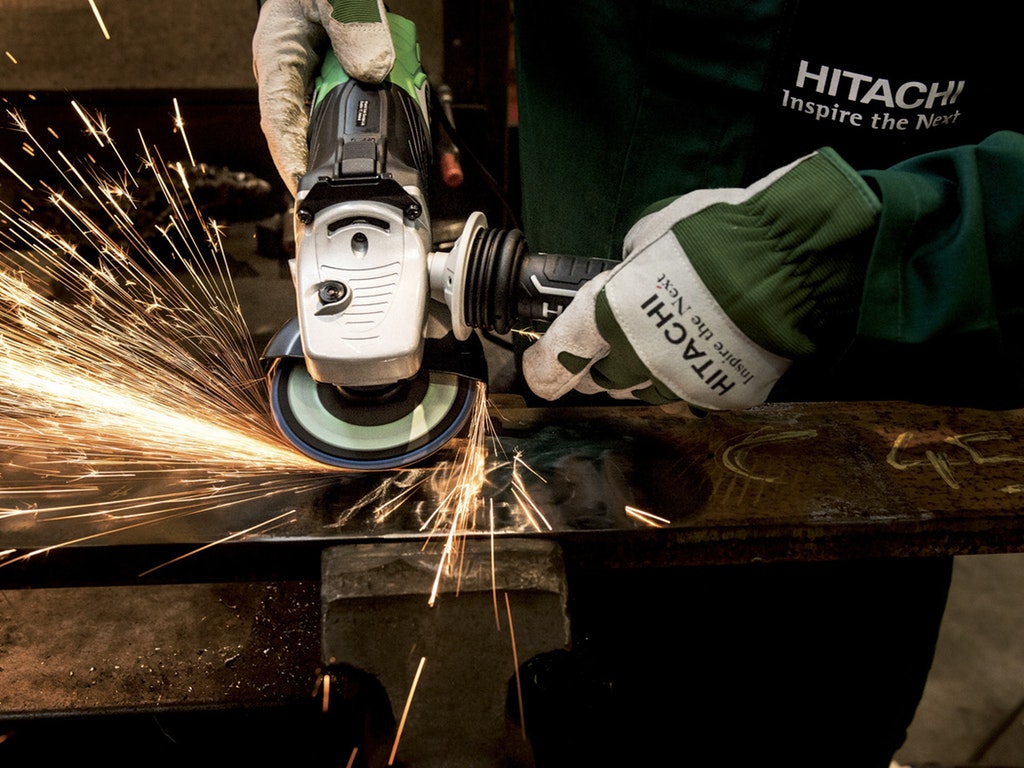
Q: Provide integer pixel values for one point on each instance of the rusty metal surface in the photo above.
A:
(129, 649)
(790, 481)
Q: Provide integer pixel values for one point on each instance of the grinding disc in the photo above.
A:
(368, 430)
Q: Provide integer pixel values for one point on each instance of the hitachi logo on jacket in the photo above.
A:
(865, 89)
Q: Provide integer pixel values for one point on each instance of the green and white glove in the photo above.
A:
(286, 47)
(719, 291)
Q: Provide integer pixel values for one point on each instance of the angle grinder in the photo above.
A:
(380, 366)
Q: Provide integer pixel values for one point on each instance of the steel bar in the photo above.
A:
(788, 481)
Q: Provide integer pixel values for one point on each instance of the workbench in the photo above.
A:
(188, 616)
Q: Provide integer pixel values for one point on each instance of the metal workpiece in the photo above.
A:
(630, 485)
(447, 662)
(798, 481)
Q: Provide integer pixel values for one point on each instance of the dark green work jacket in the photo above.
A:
(622, 104)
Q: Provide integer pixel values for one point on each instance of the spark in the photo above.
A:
(515, 665)
(117, 362)
(180, 125)
(455, 498)
(201, 497)
(647, 517)
(519, 490)
(92, 129)
(11, 57)
(494, 573)
(120, 364)
(352, 757)
(405, 710)
(103, 130)
(239, 534)
(99, 19)
(14, 173)
(326, 701)
(530, 335)
(465, 485)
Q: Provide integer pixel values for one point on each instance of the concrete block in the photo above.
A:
(377, 617)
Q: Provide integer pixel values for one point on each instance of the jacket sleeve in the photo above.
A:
(950, 242)
(947, 269)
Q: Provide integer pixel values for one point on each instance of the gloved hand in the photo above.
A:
(289, 36)
(718, 292)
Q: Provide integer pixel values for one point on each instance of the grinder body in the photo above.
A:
(363, 230)
(347, 383)
(380, 367)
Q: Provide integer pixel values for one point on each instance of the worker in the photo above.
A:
(811, 202)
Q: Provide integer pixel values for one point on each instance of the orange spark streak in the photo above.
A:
(494, 581)
(326, 702)
(88, 123)
(22, 126)
(99, 19)
(647, 517)
(149, 510)
(352, 757)
(405, 711)
(90, 537)
(465, 482)
(14, 173)
(146, 373)
(518, 489)
(529, 334)
(239, 534)
(141, 373)
(515, 662)
(11, 57)
(180, 125)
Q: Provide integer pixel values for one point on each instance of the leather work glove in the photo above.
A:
(718, 292)
(286, 56)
